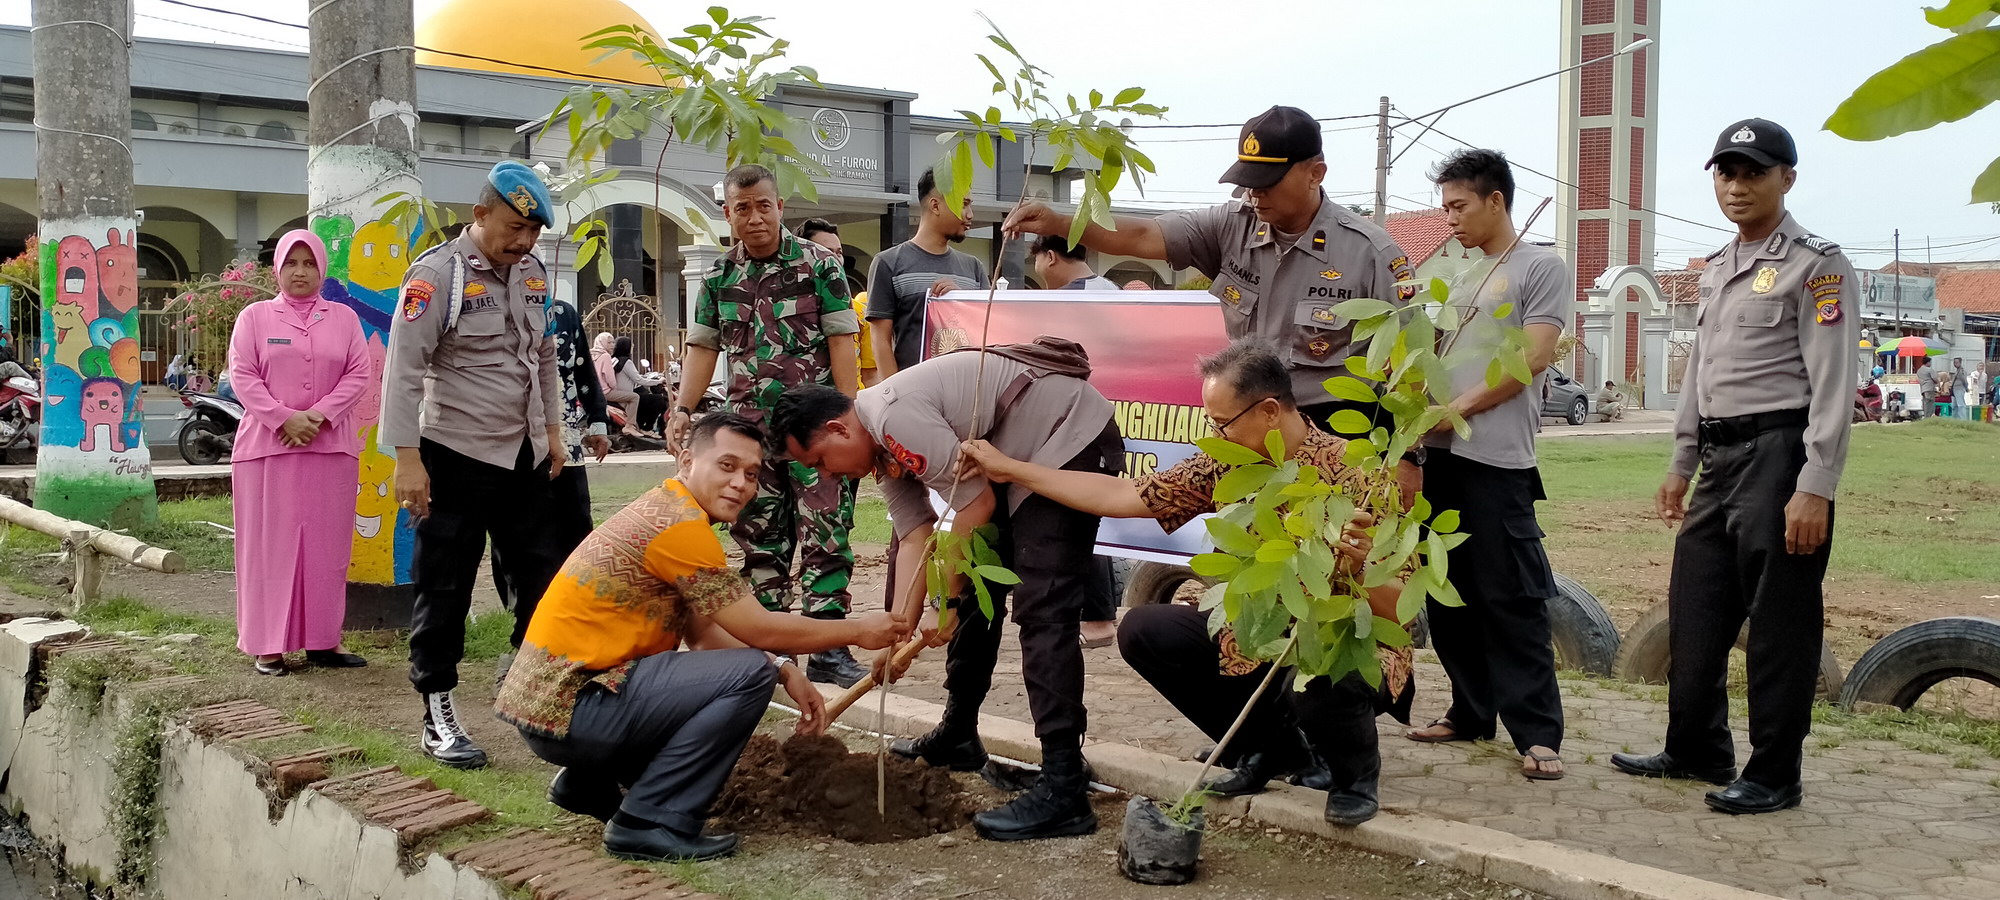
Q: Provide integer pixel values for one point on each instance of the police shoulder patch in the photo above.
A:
(416, 299)
(1817, 244)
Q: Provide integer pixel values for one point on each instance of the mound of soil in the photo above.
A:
(813, 786)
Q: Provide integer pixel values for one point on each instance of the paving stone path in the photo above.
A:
(1880, 820)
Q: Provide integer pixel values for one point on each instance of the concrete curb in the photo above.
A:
(1558, 871)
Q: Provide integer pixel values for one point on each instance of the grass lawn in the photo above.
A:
(1918, 503)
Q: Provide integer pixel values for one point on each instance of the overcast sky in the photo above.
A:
(1791, 61)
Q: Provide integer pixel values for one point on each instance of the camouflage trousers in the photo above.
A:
(795, 509)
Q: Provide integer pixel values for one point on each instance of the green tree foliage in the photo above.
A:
(1944, 82)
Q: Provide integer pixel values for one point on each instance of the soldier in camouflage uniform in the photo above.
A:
(780, 308)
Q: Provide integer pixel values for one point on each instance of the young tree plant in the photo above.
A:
(1944, 82)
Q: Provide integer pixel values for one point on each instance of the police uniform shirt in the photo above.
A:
(920, 415)
(1773, 332)
(1540, 290)
(490, 379)
(1285, 294)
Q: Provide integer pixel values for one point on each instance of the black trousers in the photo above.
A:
(1496, 647)
(1050, 547)
(1100, 601)
(469, 500)
(1730, 565)
(1169, 645)
(569, 521)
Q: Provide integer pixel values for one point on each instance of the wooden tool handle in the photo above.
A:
(861, 688)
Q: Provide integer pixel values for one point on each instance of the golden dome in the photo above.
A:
(521, 31)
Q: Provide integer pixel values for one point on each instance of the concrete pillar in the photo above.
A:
(362, 145)
(1604, 345)
(1654, 333)
(93, 465)
(695, 260)
(249, 228)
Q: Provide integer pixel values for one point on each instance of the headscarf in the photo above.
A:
(292, 239)
(621, 352)
(177, 365)
(600, 359)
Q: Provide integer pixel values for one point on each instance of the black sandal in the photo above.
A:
(1425, 739)
(274, 668)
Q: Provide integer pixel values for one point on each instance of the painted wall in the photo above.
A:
(93, 465)
(366, 259)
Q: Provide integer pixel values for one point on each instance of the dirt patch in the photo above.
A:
(813, 786)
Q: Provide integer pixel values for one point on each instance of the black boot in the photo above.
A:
(835, 667)
(954, 744)
(1352, 799)
(1253, 772)
(1057, 806)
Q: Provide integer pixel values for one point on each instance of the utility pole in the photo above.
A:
(362, 145)
(93, 465)
(1382, 162)
(1897, 285)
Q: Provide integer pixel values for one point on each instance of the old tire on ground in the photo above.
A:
(1585, 637)
(1901, 667)
(1643, 655)
(1155, 582)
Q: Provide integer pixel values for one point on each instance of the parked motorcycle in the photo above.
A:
(208, 429)
(20, 413)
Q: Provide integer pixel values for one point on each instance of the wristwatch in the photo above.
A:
(684, 411)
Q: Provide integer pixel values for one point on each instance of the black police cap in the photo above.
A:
(1762, 141)
(1270, 144)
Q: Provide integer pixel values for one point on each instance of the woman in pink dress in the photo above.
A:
(298, 364)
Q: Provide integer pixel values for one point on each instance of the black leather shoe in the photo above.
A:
(334, 659)
(1352, 806)
(1313, 775)
(945, 749)
(274, 668)
(1250, 776)
(584, 796)
(1057, 806)
(835, 667)
(1660, 765)
(1748, 798)
(662, 844)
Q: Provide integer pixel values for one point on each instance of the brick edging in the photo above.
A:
(1565, 873)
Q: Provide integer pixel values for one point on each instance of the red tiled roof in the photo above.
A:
(1972, 290)
(1420, 234)
(1679, 286)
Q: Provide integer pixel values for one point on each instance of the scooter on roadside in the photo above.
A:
(20, 413)
(208, 427)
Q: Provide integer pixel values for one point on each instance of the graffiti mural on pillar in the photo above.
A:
(365, 268)
(93, 465)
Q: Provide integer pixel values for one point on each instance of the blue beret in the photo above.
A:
(524, 191)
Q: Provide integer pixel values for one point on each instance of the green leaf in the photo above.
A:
(1268, 525)
(1420, 508)
(1503, 310)
(1231, 538)
(1294, 599)
(1440, 291)
(1350, 421)
(1276, 551)
(1411, 600)
(1241, 482)
(998, 575)
(1257, 577)
(1214, 565)
(1274, 445)
(1958, 13)
(1361, 308)
(1298, 526)
(1444, 593)
(1347, 388)
(1446, 521)
(1389, 634)
(1986, 188)
(1364, 621)
(1128, 96)
(1212, 598)
(1228, 453)
(1944, 82)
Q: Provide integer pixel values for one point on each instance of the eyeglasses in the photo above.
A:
(1219, 429)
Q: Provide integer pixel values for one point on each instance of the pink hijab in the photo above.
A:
(293, 238)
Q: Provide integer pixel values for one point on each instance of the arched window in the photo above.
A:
(235, 131)
(143, 121)
(274, 131)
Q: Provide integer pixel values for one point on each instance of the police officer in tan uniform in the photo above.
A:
(473, 405)
(1280, 258)
(1764, 415)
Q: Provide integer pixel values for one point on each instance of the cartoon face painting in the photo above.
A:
(368, 410)
(374, 520)
(103, 404)
(77, 273)
(118, 272)
(71, 338)
(375, 261)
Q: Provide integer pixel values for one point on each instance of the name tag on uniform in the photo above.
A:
(277, 340)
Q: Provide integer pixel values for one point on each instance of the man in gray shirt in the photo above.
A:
(1926, 389)
(906, 276)
(1496, 647)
